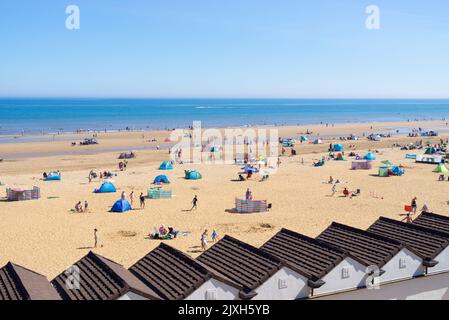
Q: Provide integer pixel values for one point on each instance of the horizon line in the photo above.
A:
(218, 98)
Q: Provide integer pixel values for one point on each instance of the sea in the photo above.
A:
(41, 116)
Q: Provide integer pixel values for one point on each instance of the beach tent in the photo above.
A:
(397, 171)
(317, 141)
(387, 162)
(166, 165)
(338, 147)
(369, 156)
(215, 149)
(303, 138)
(430, 151)
(441, 168)
(340, 157)
(106, 187)
(162, 179)
(193, 175)
(384, 171)
(121, 205)
(53, 176)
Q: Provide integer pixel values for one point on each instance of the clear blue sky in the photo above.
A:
(225, 48)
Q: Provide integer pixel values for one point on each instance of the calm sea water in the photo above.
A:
(36, 116)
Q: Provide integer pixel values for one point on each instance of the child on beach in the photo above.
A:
(204, 240)
(214, 236)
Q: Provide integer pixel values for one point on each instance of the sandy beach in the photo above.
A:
(44, 235)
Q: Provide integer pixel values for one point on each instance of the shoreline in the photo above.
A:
(12, 138)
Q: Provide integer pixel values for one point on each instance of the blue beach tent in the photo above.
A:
(121, 205)
(162, 179)
(53, 176)
(166, 165)
(193, 175)
(106, 187)
(338, 147)
(369, 156)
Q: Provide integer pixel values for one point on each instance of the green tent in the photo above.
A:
(441, 168)
(387, 162)
(383, 171)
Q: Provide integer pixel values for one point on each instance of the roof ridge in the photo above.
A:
(441, 234)
(365, 233)
(312, 240)
(10, 268)
(435, 215)
(185, 257)
(111, 272)
(253, 249)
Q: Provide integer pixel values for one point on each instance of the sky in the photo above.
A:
(225, 49)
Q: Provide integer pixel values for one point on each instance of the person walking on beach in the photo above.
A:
(86, 205)
(123, 195)
(204, 240)
(194, 203)
(131, 198)
(414, 204)
(142, 201)
(334, 189)
(95, 238)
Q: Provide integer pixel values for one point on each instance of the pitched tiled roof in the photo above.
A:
(101, 279)
(433, 221)
(370, 247)
(312, 255)
(429, 243)
(242, 263)
(171, 273)
(18, 283)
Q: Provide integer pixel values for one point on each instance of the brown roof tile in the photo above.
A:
(242, 263)
(18, 283)
(101, 279)
(429, 243)
(171, 273)
(433, 221)
(312, 255)
(370, 247)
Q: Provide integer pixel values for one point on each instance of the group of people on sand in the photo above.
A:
(79, 206)
(442, 177)
(414, 206)
(122, 165)
(204, 238)
(163, 233)
(131, 199)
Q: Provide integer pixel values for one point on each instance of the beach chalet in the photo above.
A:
(176, 276)
(431, 244)
(18, 283)
(440, 224)
(393, 260)
(262, 275)
(101, 279)
(332, 269)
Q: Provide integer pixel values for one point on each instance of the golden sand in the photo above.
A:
(45, 236)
